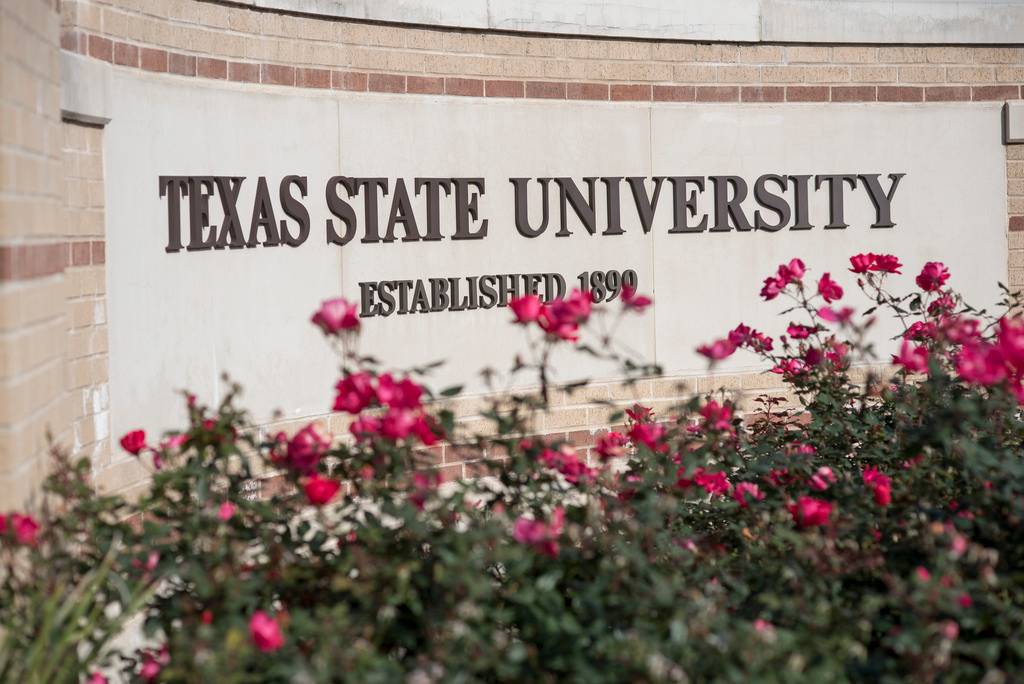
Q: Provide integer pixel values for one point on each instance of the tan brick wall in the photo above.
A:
(33, 314)
(579, 417)
(220, 41)
(86, 369)
(1015, 210)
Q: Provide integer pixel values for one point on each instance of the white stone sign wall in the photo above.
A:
(180, 319)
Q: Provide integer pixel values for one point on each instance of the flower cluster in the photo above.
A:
(560, 319)
(403, 418)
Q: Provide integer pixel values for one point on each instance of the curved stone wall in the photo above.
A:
(794, 21)
(220, 42)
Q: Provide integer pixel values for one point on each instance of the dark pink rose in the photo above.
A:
(912, 357)
(320, 490)
(829, 289)
(526, 308)
(541, 535)
(933, 276)
(810, 512)
(134, 442)
(336, 315)
(265, 632)
(633, 301)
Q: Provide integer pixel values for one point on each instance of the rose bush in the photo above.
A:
(870, 531)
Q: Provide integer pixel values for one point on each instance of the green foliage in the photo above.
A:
(873, 533)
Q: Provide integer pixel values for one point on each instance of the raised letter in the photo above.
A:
(569, 193)
(262, 215)
(835, 196)
(401, 212)
(522, 206)
(729, 207)
(295, 210)
(881, 200)
(200, 190)
(800, 185)
(433, 186)
(769, 200)
(174, 187)
(231, 234)
(372, 185)
(466, 208)
(611, 184)
(342, 209)
(683, 204)
(645, 206)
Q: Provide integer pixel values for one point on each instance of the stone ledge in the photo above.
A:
(750, 21)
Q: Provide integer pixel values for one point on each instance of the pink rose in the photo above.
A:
(981, 364)
(887, 263)
(226, 511)
(745, 336)
(822, 478)
(365, 427)
(717, 416)
(526, 308)
(920, 330)
(1011, 340)
(336, 315)
(611, 445)
(879, 484)
(744, 490)
(829, 289)
(320, 490)
(134, 442)
(773, 286)
(810, 512)
(427, 430)
(152, 663)
(265, 632)
(398, 424)
(423, 485)
(933, 276)
(25, 528)
(862, 263)
(542, 536)
(567, 462)
(354, 392)
(639, 413)
(632, 301)
(717, 350)
(402, 394)
(790, 367)
(792, 272)
(800, 332)
(912, 357)
(650, 435)
(306, 448)
(841, 316)
(172, 442)
(713, 483)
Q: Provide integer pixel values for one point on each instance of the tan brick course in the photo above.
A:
(278, 49)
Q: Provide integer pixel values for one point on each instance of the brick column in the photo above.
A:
(33, 252)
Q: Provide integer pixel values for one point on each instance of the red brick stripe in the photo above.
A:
(38, 260)
(24, 262)
(302, 76)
